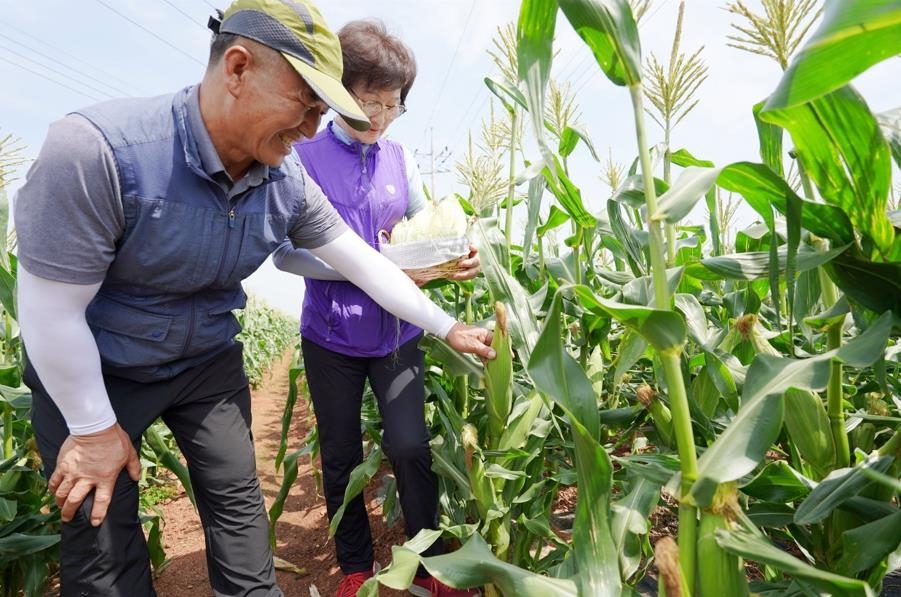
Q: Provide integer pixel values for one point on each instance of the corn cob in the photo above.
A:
(435, 220)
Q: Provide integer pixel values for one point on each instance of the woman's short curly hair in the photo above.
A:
(376, 59)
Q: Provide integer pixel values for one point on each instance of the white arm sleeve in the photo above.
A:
(392, 289)
(62, 349)
(303, 263)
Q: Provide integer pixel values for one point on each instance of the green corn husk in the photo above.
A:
(719, 573)
(499, 378)
(660, 414)
(745, 339)
(808, 427)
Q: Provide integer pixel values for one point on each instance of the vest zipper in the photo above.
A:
(231, 218)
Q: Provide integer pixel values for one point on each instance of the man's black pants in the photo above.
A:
(208, 410)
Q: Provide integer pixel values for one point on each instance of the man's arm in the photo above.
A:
(303, 263)
(62, 350)
(68, 218)
(396, 293)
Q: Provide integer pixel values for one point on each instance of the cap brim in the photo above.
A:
(332, 92)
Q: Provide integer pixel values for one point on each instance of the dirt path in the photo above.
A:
(302, 530)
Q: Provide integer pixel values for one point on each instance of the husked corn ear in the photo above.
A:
(435, 220)
(720, 572)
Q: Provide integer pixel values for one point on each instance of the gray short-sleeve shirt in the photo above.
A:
(69, 213)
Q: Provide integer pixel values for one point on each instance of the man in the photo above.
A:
(136, 225)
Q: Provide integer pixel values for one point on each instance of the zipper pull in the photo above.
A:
(231, 218)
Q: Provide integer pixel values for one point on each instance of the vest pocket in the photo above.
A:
(130, 337)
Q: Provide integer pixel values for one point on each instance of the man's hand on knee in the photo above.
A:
(92, 462)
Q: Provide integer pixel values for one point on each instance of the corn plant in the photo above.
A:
(744, 363)
(29, 519)
(266, 333)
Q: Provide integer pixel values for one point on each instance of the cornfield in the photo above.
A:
(742, 380)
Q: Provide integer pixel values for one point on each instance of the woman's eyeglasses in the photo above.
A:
(373, 108)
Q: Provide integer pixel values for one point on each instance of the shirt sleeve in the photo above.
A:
(68, 214)
(303, 263)
(416, 194)
(387, 285)
(63, 351)
(319, 222)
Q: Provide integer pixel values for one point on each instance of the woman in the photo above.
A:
(346, 337)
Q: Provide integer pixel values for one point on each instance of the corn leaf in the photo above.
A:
(841, 147)
(778, 483)
(841, 485)
(631, 520)
(504, 287)
(866, 545)
(890, 123)
(474, 565)
(596, 552)
(691, 186)
(764, 190)
(770, 138)
(359, 477)
(665, 330)
(876, 286)
(757, 424)
(807, 425)
(569, 196)
(21, 544)
(755, 547)
(559, 375)
(852, 37)
(505, 93)
(610, 30)
(756, 265)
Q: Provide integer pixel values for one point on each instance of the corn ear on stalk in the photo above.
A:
(745, 339)
(660, 414)
(807, 425)
(720, 572)
(499, 378)
(436, 220)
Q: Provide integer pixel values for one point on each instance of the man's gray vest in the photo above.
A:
(166, 303)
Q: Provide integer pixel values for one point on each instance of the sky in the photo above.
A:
(59, 55)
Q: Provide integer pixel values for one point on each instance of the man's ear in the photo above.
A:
(236, 63)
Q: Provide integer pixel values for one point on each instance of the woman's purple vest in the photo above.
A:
(370, 192)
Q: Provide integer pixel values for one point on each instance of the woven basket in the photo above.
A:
(428, 259)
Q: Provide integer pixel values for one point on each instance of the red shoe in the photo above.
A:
(432, 587)
(351, 583)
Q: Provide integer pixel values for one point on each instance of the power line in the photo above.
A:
(53, 70)
(450, 67)
(211, 5)
(186, 15)
(43, 76)
(69, 55)
(140, 26)
(71, 68)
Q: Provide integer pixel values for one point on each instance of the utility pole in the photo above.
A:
(437, 162)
